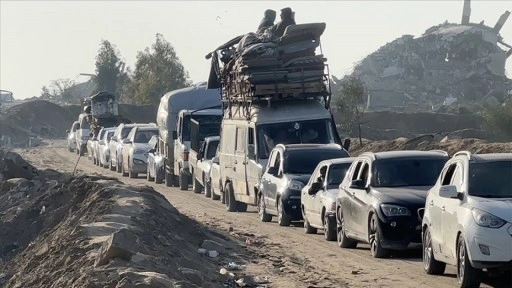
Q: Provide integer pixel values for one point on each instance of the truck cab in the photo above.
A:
(182, 139)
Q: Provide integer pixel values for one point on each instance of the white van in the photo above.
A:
(82, 134)
(248, 136)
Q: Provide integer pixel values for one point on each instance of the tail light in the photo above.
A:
(185, 156)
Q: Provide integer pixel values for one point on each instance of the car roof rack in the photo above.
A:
(440, 151)
(463, 153)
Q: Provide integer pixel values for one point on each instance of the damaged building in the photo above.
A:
(450, 63)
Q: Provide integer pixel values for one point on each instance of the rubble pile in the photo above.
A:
(263, 64)
(88, 231)
(449, 63)
(431, 142)
(27, 123)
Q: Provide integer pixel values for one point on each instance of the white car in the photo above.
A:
(204, 164)
(72, 136)
(116, 144)
(135, 151)
(101, 152)
(318, 197)
(467, 220)
(213, 179)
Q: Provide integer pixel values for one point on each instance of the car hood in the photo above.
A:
(499, 207)
(304, 178)
(414, 195)
(143, 146)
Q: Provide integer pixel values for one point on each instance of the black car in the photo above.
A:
(288, 169)
(380, 198)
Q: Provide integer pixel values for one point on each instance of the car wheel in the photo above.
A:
(343, 240)
(375, 237)
(329, 229)
(123, 173)
(207, 189)
(213, 195)
(148, 175)
(264, 217)
(131, 174)
(307, 227)
(241, 206)
(158, 180)
(183, 181)
(231, 204)
(467, 276)
(196, 187)
(431, 265)
(282, 218)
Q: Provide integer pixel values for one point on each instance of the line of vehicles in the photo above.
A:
(276, 147)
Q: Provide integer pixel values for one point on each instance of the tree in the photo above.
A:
(109, 67)
(157, 71)
(350, 100)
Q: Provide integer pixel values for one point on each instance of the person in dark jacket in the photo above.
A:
(268, 20)
(287, 19)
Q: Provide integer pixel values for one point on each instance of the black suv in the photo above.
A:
(288, 169)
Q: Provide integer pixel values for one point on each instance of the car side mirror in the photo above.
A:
(272, 170)
(174, 135)
(346, 144)
(200, 156)
(67, 131)
(215, 160)
(421, 213)
(315, 187)
(153, 150)
(357, 184)
(449, 191)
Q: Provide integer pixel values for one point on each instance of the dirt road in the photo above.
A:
(288, 256)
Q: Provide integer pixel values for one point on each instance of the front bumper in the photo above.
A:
(139, 164)
(489, 248)
(291, 204)
(401, 232)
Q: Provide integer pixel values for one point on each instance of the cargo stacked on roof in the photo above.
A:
(263, 66)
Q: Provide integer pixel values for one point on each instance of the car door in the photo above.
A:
(274, 181)
(266, 178)
(253, 167)
(449, 209)
(308, 200)
(360, 202)
(240, 160)
(347, 195)
(318, 198)
(435, 204)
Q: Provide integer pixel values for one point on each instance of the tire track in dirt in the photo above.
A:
(294, 258)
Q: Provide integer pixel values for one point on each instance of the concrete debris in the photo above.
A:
(449, 61)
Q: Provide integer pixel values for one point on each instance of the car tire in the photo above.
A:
(308, 228)
(467, 276)
(375, 236)
(183, 181)
(158, 180)
(207, 189)
(231, 203)
(329, 229)
(112, 168)
(264, 217)
(123, 173)
(343, 240)
(282, 218)
(148, 176)
(213, 195)
(430, 265)
(196, 187)
(241, 206)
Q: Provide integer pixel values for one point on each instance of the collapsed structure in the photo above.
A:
(449, 63)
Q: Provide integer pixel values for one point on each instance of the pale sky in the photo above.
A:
(45, 40)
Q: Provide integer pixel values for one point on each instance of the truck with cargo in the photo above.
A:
(274, 90)
(172, 123)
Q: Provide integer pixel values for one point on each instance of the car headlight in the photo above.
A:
(295, 185)
(139, 151)
(485, 219)
(394, 210)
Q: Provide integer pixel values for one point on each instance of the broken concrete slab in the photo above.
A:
(122, 244)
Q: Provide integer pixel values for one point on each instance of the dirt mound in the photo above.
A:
(33, 119)
(431, 142)
(87, 231)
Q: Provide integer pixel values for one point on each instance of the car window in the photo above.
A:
(211, 149)
(336, 173)
(447, 178)
(365, 171)
(304, 162)
(228, 145)
(490, 179)
(240, 140)
(143, 136)
(458, 177)
(125, 132)
(407, 171)
(355, 174)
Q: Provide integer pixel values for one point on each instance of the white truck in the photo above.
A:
(204, 140)
(171, 138)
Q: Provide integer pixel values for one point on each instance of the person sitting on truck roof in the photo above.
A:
(287, 19)
(268, 20)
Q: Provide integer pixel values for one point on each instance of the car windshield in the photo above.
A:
(199, 118)
(211, 150)
(143, 136)
(490, 179)
(337, 173)
(406, 172)
(299, 161)
(297, 132)
(109, 135)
